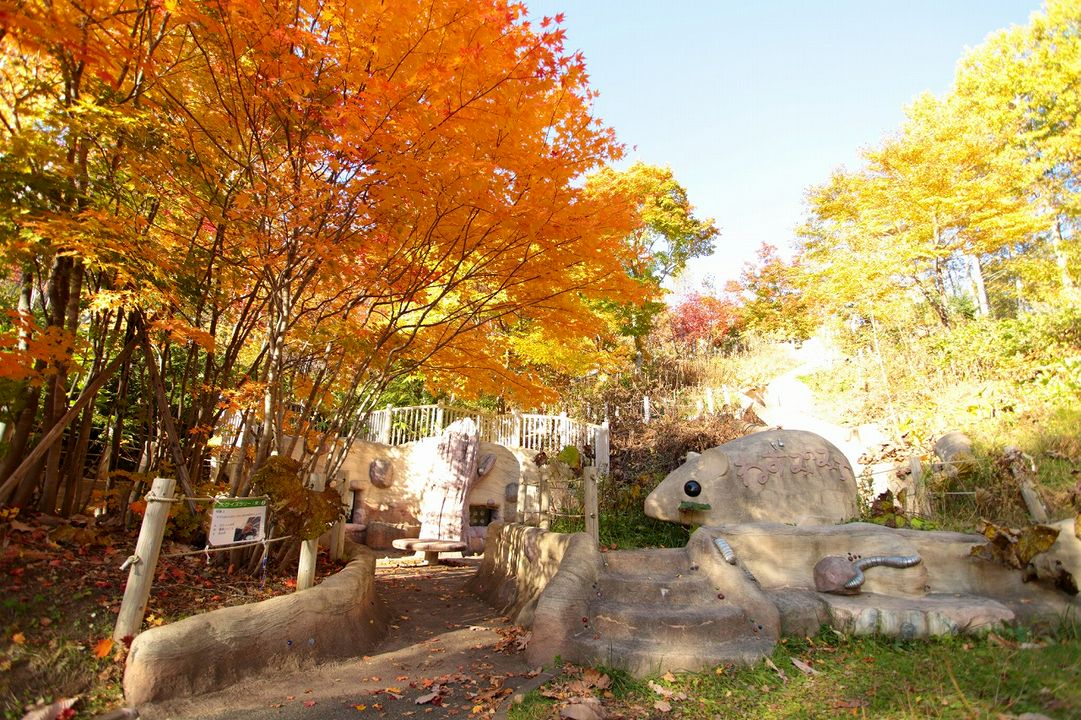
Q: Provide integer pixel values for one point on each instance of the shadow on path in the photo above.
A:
(442, 639)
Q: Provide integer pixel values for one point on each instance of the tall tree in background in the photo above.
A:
(668, 235)
(1024, 81)
(774, 304)
(925, 211)
(702, 322)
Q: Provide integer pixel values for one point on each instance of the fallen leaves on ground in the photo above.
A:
(512, 639)
(780, 673)
(63, 587)
(103, 647)
(1014, 547)
(433, 697)
(583, 709)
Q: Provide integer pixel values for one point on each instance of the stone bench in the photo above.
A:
(430, 547)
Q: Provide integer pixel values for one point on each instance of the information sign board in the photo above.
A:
(235, 520)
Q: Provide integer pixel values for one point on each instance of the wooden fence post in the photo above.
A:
(589, 487)
(1022, 468)
(600, 448)
(306, 565)
(545, 521)
(310, 548)
(145, 562)
(337, 540)
(917, 492)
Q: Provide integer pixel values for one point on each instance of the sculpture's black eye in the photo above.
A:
(692, 488)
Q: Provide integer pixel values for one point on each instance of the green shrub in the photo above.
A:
(297, 510)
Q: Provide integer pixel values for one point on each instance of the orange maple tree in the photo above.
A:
(285, 207)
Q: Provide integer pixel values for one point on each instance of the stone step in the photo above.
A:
(916, 617)
(662, 563)
(667, 626)
(909, 617)
(645, 658)
(663, 591)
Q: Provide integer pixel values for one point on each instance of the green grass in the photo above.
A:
(629, 529)
(867, 677)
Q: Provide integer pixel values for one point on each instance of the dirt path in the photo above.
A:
(443, 640)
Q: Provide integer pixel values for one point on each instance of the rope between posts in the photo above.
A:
(223, 548)
(900, 468)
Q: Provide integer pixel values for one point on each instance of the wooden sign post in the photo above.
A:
(145, 560)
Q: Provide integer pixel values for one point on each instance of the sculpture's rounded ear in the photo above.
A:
(715, 462)
(487, 462)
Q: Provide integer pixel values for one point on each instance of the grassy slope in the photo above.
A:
(864, 677)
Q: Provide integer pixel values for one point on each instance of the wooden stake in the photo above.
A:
(144, 565)
(589, 478)
(917, 495)
(306, 565)
(1023, 469)
(600, 448)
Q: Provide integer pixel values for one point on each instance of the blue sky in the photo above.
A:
(751, 102)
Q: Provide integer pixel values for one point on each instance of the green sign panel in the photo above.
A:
(236, 520)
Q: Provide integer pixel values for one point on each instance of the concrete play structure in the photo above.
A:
(733, 591)
(769, 561)
(443, 490)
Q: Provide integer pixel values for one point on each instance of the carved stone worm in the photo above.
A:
(844, 575)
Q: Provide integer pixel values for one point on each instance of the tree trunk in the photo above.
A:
(49, 438)
(120, 404)
(172, 439)
(1060, 258)
(29, 394)
(975, 273)
(7, 431)
(57, 295)
(75, 469)
(20, 435)
(54, 401)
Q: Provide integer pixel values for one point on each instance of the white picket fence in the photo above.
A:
(548, 433)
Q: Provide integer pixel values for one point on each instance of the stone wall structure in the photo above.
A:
(337, 618)
(389, 503)
(518, 563)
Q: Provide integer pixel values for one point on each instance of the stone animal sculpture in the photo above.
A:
(785, 476)
(843, 575)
